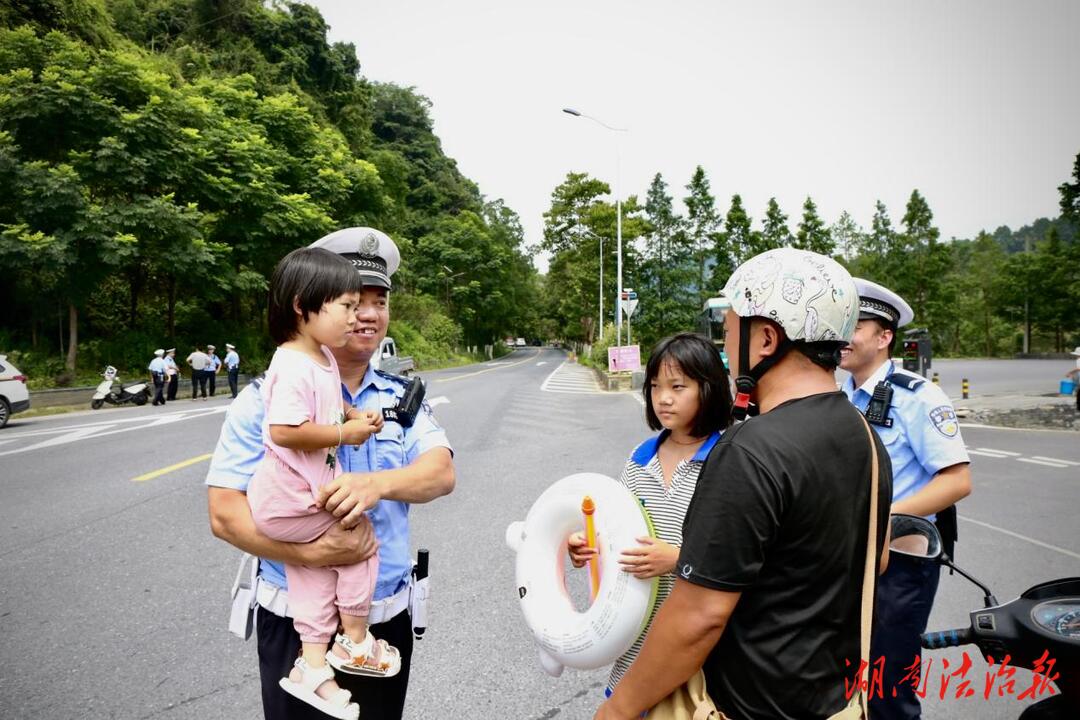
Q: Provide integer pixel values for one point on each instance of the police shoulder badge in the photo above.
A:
(369, 245)
(944, 419)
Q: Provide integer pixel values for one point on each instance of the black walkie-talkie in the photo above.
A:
(877, 412)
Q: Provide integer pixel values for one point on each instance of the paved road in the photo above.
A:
(999, 377)
(114, 592)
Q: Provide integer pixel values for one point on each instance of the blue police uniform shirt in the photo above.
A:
(925, 436)
(232, 360)
(157, 365)
(240, 448)
(170, 363)
(215, 362)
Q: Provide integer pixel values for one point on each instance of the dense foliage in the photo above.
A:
(996, 294)
(159, 156)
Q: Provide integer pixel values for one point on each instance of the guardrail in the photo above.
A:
(54, 397)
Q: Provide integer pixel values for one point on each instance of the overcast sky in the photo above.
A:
(975, 103)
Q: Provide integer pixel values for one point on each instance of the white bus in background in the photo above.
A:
(711, 323)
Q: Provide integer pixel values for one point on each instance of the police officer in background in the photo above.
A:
(172, 373)
(198, 361)
(157, 372)
(931, 472)
(409, 461)
(232, 367)
(212, 368)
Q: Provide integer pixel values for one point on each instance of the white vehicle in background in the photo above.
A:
(520, 342)
(388, 360)
(14, 396)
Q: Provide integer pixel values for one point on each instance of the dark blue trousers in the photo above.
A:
(902, 603)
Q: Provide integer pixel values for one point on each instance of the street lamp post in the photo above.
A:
(600, 238)
(618, 218)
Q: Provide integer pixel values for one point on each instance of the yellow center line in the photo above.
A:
(491, 369)
(169, 469)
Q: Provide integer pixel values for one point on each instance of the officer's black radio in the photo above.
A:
(405, 411)
(877, 412)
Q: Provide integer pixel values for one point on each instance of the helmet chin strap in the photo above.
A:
(748, 380)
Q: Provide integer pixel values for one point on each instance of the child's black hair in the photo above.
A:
(309, 277)
(699, 359)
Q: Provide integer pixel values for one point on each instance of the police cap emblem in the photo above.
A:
(369, 245)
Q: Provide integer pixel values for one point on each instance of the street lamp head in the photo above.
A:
(571, 111)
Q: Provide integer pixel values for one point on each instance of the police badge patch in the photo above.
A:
(944, 419)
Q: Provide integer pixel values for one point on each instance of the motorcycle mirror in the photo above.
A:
(915, 537)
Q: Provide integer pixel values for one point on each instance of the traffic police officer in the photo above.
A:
(415, 448)
(212, 368)
(172, 372)
(931, 472)
(157, 372)
(232, 367)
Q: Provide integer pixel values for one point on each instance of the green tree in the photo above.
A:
(847, 235)
(738, 235)
(774, 233)
(669, 270)
(710, 247)
(812, 234)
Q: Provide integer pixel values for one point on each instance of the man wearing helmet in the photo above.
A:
(767, 598)
(931, 472)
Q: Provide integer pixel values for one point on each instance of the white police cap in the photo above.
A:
(211, 347)
(881, 303)
(230, 346)
(171, 350)
(159, 352)
(371, 251)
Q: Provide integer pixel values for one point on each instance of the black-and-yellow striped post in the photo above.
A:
(935, 379)
(965, 387)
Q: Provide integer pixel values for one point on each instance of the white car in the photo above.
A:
(14, 397)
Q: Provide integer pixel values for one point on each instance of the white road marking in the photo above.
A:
(485, 370)
(571, 379)
(441, 400)
(1042, 462)
(62, 439)
(1025, 538)
(986, 454)
(542, 362)
(1057, 460)
(1000, 452)
(72, 434)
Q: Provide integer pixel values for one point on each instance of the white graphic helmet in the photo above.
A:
(812, 297)
(809, 295)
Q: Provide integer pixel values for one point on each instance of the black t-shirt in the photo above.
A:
(780, 514)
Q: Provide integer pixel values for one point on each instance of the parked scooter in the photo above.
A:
(1040, 626)
(136, 392)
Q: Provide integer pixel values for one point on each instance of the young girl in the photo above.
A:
(687, 394)
(313, 299)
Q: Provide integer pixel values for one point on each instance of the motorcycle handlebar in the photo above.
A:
(946, 638)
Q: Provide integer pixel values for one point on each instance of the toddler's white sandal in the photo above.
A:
(337, 705)
(373, 658)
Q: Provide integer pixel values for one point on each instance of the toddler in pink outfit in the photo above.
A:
(313, 299)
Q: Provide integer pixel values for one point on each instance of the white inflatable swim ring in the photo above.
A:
(599, 635)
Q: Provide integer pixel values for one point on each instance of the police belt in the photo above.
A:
(276, 600)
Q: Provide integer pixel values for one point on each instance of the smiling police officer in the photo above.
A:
(409, 461)
(931, 472)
